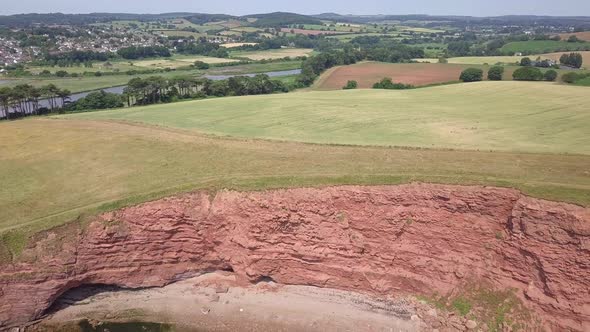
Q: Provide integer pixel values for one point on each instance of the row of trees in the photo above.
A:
(157, 89)
(24, 99)
(495, 73)
(202, 48)
(138, 52)
(573, 60)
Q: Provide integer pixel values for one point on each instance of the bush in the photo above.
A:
(201, 65)
(570, 77)
(528, 74)
(61, 73)
(387, 83)
(550, 75)
(471, 75)
(495, 73)
(350, 85)
(525, 62)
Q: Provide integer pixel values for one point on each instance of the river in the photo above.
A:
(119, 89)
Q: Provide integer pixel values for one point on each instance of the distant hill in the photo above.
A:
(281, 19)
(23, 20)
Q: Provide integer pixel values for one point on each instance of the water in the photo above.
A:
(270, 74)
(119, 89)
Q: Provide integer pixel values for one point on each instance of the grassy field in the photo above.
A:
(56, 170)
(272, 54)
(543, 46)
(480, 60)
(502, 116)
(179, 62)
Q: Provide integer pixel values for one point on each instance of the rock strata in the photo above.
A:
(383, 240)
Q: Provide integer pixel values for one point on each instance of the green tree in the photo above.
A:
(471, 75)
(525, 62)
(528, 74)
(201, 65)
(573, 39)
(550, 75)
(495, 73)
(350, 85)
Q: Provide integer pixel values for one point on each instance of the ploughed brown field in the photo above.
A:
(368, 73)
(584, 35)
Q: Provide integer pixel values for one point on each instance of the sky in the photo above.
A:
(243, 7)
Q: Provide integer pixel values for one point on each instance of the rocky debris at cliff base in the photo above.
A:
(254, 308)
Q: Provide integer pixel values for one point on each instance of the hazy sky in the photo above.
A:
(242, 7)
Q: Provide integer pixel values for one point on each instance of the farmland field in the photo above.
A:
(486, 115)
(480, 60)
(272, 54)
(368, 73)
(418, 74)
(179, 61)
(543, 46)
(232, 45)
(584, 35)
(311, 32)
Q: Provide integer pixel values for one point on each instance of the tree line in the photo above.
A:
(24, 100)
(158, 89)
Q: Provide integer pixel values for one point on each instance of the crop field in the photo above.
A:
(232, 45)
(179, 61)
(311, 32)
(368, 73)
(480, 60)
(273, 54)
(584, 35)
(180, 33)
(105, 67)
(418, 74)
(498, 116)
(544, 46)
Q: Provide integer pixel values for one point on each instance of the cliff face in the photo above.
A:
(408, 239)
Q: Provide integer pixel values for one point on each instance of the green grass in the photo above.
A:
(583, 82)
(482, 303)
(272, 54)
(501, 116)
(57, 170)
(543, 46)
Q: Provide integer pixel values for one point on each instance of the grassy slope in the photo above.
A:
(506, 116)
(53, 170)
(543, 46)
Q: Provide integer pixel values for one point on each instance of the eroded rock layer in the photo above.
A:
(384, 240)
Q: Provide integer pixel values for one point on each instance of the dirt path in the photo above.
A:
(214, 302)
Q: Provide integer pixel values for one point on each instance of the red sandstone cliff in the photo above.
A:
(409, 239)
